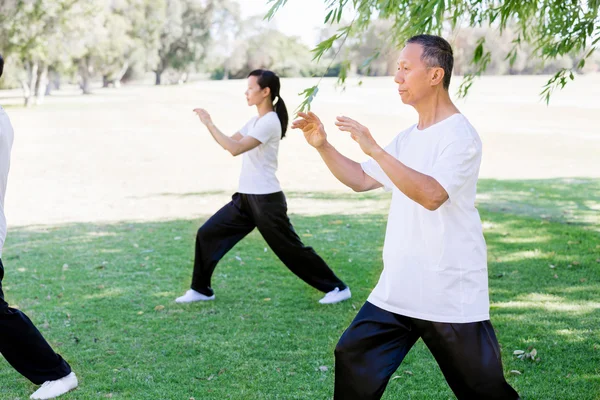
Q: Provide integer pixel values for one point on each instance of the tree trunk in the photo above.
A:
(42, 84)
(26, 92)
(84, 71)
(30, 84)
(53, 82)
(157, 77)
(121, 74)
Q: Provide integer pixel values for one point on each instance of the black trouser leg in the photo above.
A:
(369, 352)
(24, 347)
(376, 342)
(215, 238)
(270, 215)
(469, 357)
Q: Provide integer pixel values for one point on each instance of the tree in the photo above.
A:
(465, 41)
(368, 55)
(37, 34)
(258, 47)
(554, 28)
(131, 30)
(186, 33)
(119, 34)
(146, 26)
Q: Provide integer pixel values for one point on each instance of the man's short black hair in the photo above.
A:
(1, 64)
(437, 52)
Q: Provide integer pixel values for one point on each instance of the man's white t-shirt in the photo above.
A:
(6, 142)
(259, 165)
(435, 262)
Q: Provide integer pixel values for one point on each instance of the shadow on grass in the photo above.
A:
(573, 201)
(566, 200)
(103, 295)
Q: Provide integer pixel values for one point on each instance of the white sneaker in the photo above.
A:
(191, 295)
(52, 389)
(336, 295)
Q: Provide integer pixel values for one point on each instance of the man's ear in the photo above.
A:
(437, 76)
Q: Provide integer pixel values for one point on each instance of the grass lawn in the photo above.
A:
(103, 297)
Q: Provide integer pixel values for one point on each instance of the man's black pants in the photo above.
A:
(376, 342)
(24, 347)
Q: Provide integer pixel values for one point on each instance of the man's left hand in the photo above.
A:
(360, 134)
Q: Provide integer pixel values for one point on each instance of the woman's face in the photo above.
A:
(254, 94)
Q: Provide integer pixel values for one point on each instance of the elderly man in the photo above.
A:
(434, 281)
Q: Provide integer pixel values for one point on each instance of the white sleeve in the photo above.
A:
(373, 169)
(244, 129)
(265, 129)
(457, 164)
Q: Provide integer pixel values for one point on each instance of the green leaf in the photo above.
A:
(328, 16)
(370, 59)
(278, 4)
(478, 52)
(324, 46)
(309, 95)
(558, 80)
(589, 53)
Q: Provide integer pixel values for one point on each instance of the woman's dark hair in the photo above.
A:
(268, 79)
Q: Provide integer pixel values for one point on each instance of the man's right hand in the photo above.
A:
(311, 125)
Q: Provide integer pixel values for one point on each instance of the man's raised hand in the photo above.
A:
(311, 126)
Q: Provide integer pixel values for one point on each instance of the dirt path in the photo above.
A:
(139, 153)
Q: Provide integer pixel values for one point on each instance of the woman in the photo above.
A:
(259, 201)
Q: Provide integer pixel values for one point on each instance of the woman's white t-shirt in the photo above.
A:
(435, 262)
(259, 165)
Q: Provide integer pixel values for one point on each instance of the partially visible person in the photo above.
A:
(21, 344)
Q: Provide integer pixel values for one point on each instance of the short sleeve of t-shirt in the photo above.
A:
(456, 165)
(371, 168)
(265, 128)
(244, 129)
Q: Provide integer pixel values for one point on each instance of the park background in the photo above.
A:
(107, 189)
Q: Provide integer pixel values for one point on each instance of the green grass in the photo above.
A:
(103, 296)
(568, 200)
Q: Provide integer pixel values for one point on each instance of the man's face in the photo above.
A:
(413, 77)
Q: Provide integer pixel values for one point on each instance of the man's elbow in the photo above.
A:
(362, 187)
(434, 202)
(432, 205)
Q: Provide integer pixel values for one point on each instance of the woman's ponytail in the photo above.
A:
(282, 113)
